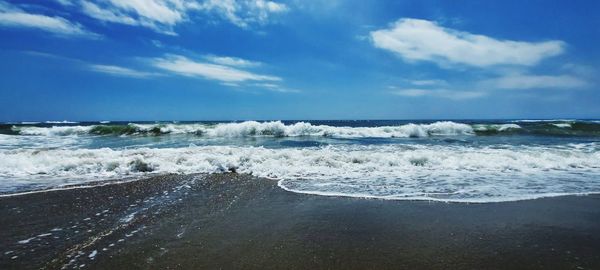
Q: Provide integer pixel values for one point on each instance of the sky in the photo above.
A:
(299, 59)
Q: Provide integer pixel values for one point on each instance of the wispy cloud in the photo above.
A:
(276, 88)
(525, 81)
(422, 40)
(235, 77)
(244, 12)
(13, 16)
(121, 71)
(112, 70)
(65, 2)
(163, 15)
(159, 15)
(579, 70)
(427, 82)
(438, 93)
(231, 61)
(183, 66)
(107, 15)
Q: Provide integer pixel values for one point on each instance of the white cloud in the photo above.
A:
(427, 82)
(65, 2)
(163, 15)
(524, 81)
(439, 93)
(107, 15)
(228, 71)
(230, 84)
(12, 16)
(159, 15)
(244, 12)
(167, 12)
(422, 40)
(231, 61)
(183, 66)
(275, 88)
(121, 71)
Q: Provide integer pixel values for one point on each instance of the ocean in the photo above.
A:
(475, 161)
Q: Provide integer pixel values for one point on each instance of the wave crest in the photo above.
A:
(254, 128)
(279, 129)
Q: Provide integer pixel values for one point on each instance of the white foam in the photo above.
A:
(562, 125)
(61, 122)
(54, 130)
(543, 120)
(26, 240)
(450, 172)
(273, 128)
(11, 141)
(128, 218)
(497, 127)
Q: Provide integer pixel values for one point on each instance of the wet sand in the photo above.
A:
(232, 221)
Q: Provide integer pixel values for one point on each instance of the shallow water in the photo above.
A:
(464, 161)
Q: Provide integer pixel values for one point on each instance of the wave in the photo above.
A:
(452, 173)
(491, 129)
(253, 128)
(562, 125)
(61, 122)
(542, 120)
(279, 129)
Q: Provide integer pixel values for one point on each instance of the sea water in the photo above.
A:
(459, 161)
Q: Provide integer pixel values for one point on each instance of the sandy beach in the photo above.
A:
(236, 221)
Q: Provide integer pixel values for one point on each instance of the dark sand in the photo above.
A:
(231, 221)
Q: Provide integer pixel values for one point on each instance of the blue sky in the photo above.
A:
(258, 59)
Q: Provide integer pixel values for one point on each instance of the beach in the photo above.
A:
(237, 221)
(286, 134)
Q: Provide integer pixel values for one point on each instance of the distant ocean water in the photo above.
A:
(462, 161)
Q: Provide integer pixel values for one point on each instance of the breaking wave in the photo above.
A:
(279, 129)
(253, 128)
(447, 173)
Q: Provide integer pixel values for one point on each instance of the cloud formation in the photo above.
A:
(275, 88)
(422, 40)
(524, 81)
(163, 15)
(159, 15)
(438, 93)
(12, 16)
(231, 61)
(183, 66)
(427, 82)
(244, 12)
(121, 71)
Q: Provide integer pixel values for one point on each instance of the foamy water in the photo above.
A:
(253, 128)
(446, 161)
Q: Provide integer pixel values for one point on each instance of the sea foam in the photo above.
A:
(254, 128)
(399, 171)
(297, 129)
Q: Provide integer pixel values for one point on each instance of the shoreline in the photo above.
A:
(431, 199)
(100, 183)
(239, 221)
